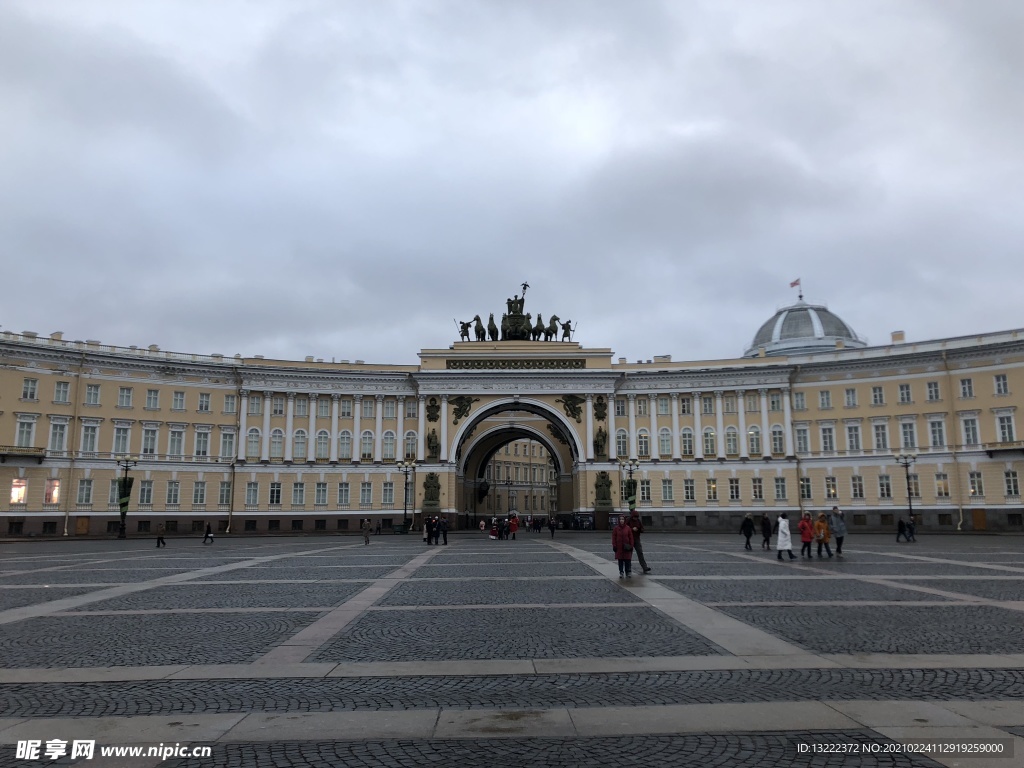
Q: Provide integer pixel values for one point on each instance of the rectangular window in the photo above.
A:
(905, 394)
(877, 396)
(365, 492)
(853, 437)
(367, 408)
(774, 402)
(390, 409)
(298, 494)
(323, 408)
(1012, 486)
(707, 405)
(230, 403)
(199, 492)
(124, 397)
(277, 406)
(667, 493)
(966, 388)
(976, 483)
(84, 491)
(729, 404)
(120, 440)
(175, 443)
(828, 439)
(89, 434)
(685, 405)
(388, 494)
(202, 443)
(799, 401)
(933, 391)
(780, 489)
(1006, 429)
(1002, 385)
(61, 392)
(937, 434)
(734, 489)
(152, 399)
(173, 492)
(178, 401)
(30, 389)
(645, 490)
(224, 496)
(884, 487)
(641, 406)
(204, 402)
(92, 394)
(824, 399)
(851, 397)
(942, 485)
(908, 433)
(320, 494)
(712, 489)
(805, 488)
(252, 494)
(689, 490)
(757, 489)
(881, 437)
(803, 440)
(343, 495)
(19, 490)
(970, 431)
(663, 406)
(58, 435)
(831, 489)
(857, 487)
(302, 407)
(914, 485)
(146, 492)
(620, 406)
(410, 409)
(275, 493)
(346, 409)
(255, 405)
(227, 445)
(52, 493)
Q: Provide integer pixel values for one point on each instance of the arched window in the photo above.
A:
(345, 445)
(643, 443)
(710, 446)
(754, 440)
(252, 444)
(686, 442)
(778, 440)
(323, 445)
(277, 444)
(389, 446)
(732, 443)
(366, 446)
(299, 450)
(665, 442)
(410, 446)
(621, 443)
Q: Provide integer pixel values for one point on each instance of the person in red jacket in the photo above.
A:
(622, 543)
(513, 526)
(806, 534)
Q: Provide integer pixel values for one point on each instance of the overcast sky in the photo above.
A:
(343, 179)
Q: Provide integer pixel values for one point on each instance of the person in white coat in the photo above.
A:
(784, 542)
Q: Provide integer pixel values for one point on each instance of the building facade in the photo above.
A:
(808, 418)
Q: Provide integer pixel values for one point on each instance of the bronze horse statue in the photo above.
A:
(552, 329)
(481, 332)
(492, 329)
(538, 330)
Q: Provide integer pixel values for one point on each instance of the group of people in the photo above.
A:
(821, 531)
(434, 529)
(626, 540)
(907, 529)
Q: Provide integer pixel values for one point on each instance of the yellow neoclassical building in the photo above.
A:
(807, 418)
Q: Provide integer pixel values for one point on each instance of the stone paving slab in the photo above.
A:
(288, 573)
(87, 578)
(990, 589)
(789, 590)
(503, 570)
(18, 598)
(252, 596)
(494, 592)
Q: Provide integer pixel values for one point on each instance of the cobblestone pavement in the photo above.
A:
(520, 653)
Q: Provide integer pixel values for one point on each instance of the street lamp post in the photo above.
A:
(405, 467)
(124, 491)
(905, 460)
(509, 495)
(629, 466)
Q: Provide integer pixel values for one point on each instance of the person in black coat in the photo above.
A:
(766, 532)
(747, 529)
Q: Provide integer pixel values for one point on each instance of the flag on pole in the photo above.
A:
(795, 283)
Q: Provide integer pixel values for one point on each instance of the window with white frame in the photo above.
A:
(665, 441)
(387, 493)
(711, 489)
(410, 445)
(30, 389)
(707, 405)
(252, 444)
(621, 443)
(620, 406)
(933, 391)
(410, 408)
(799, 402)
(1002, 385)
(152, 399)
(643, 443)
(224, 495)
(970, 426)
(942, 485)
(389, 409)
(302, 407)
(255, 405)
(173, 492)
(366, 446)
(277, 406)
(230, 403)
(805, 488)
(754, 441)
(775, 401)
(850, 397)
(914, 485)
(881, 437)
(252, 494)
(320, 494)
(778, 440)
(853, 437)
(92, 394)
(298, 494)
(1005, 426)
(976, 484)
(732, 441)
(729, 404)
(389, 446)
(323, 445)
(58, 436)
(645, 490)
(114, 496)
(202, 444)
(345, 445)
(757, 489)
(199, 492)
(686, 441)
(178, 401)
(343, 495)
(937, 433)
(685, 405)
(121, 435)
(905, 396)
(877, 396)
(828, 439)
(780, 489)
(803, 440)
(367, 407)
(84, 491)
(1011, 484)
(61, 392)
(276, 443)
(299, 445)
(884, 487)
(689, 490)
(345, 404)
(641, 406)
(323, 407)
(124, 397)
(966, 388)
(734, 489)
(365, 494)
(710, 444)
(275, 493)
(663, 406)
(825, 399)
(908, 434)
(857, 487)
(831, 489)
(146, 492)
(89, 435)
(666, 490)
(204, 402)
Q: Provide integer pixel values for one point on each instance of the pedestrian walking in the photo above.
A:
(437, 530)
(822, 534)
(430, 527)
(209, 534)
(636, 525)
(806, 528)
(513, 526)
(911, 528)
(747, 529)
(443, 526)
(378, 527)
(551, 526)
(783, 541)
(622, 545)
(766, 532)
(160, 536)
(901, 530)
(838, 526)
(365, 528)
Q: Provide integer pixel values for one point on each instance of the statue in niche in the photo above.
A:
(600, 442)
(432, 488)
(433, 445)
(433, 410)
(572, 405)
(603, 487)
(462, 404)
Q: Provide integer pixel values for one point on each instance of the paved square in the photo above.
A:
(322, 651)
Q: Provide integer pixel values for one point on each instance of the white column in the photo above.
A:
(335, 398)
(378, 438)
(289, 426)
(742, 405)
(400, 437)
(698, 430)
(421, 427)
(590, 428)
(265, 451)
(243, 426)
(766, 437)
(613, 453)
(788, 426)
(357, 438)
(311, 437)
(676, 448)
(653, 412)
(631, 400)
(444, 427)
(719, 424)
